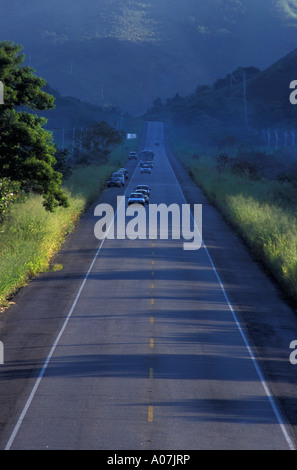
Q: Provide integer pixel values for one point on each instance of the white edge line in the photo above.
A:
(254, 360)
(44, 367)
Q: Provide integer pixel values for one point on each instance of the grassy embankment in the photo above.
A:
(262, 211)
(30, 236)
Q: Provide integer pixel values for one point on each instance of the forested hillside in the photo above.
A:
(124, 53)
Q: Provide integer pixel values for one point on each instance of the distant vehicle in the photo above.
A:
(144, 193)
(150, 164)
(125, 172)
(118, 174)
(136, 198)
(144, 186)
(132, 156)
(147, 154)
(146, 169)
(114, 181)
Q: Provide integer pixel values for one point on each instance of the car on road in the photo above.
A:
(147, 154)
(132, 156)
(148, 163)
(119, 174)
(136, 198)
(145, 169)
(143, 186)
(144, 193)
(114, 181)
(125, 172)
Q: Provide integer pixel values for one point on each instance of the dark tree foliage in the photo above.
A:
(27, 150)
(98, 138)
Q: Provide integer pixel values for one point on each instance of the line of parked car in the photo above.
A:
(141, 193)
(118, 178)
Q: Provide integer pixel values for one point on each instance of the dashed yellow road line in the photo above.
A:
(152, 301)
(152, 320)
(151, 342)
(151, 373)
(150, 414)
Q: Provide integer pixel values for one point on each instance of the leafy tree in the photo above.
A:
(98, 138)
(27, 150)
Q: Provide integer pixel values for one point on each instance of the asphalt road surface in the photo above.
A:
(134, 345)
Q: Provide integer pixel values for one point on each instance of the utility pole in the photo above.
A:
(73, 142)
(244, 98)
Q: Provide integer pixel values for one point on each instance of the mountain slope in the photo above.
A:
(233, 106)
(128, 52)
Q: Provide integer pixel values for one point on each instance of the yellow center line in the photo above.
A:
(151, 320)
(151, 342)
(152, 301)
(150, 414)
(151, 373)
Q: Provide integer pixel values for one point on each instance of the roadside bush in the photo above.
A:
(9, 193)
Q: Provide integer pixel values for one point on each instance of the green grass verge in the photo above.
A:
(30, 236)
(263, 212)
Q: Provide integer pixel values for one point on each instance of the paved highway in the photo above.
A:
(138, 347)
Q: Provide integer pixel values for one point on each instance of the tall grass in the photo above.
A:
(30, 235)
(262, 211)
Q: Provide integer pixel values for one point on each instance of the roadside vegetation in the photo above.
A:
(30, 235)
(261, 208)
(44, 190)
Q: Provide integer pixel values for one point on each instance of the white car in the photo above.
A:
(125, 172)
(132, 156)
(144, 194)
(145, 169)
(144, 186)
(119, 174)
(136, 198)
